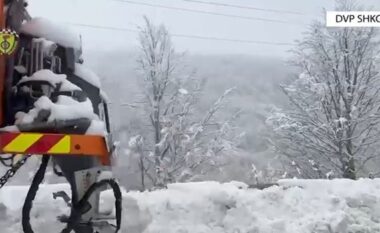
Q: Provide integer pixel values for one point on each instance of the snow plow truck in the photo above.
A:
(53, 107)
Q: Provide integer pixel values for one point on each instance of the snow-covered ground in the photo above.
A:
(295, 206)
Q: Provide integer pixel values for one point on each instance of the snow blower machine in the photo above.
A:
(51, 106)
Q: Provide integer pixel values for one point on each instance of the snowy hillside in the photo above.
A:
(295, 206)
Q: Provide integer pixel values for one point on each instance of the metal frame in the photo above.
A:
(55, 144)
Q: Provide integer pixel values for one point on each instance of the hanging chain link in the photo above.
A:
(12, 171)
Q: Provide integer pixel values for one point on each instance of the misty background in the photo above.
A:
(246, 47)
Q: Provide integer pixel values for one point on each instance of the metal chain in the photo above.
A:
(10, 159)
(12, 171)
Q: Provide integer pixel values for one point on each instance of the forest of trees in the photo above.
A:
(329, 127)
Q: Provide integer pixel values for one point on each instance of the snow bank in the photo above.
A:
(44, 212)
(295, 206)
(339, 206)
(40, 27)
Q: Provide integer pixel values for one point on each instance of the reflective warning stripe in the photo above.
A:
(22, 142)
(38, 143)
(44, 144)
(54, 144)
(63, 146)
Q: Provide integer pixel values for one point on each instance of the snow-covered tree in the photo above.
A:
(332, 124)
(180, 140)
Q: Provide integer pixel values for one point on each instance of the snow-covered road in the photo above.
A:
(296, 206)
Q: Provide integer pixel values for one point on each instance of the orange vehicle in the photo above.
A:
(44, 71)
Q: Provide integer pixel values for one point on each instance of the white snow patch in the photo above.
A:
(341, 120)
(295, 206)
(21, 69)
(53, 78)
(62, 110)
(104, 96)
(135, 141)
(97, 127)
(105, 175)
(87, 75)
(44, 75)
(11, 128)
(183, 91)
(60, 34)
(66, 108)
(44, 211)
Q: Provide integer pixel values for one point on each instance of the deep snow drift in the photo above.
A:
(295, 206)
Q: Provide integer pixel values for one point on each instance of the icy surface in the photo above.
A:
(40, 27)
(48, 47)
(295, 206)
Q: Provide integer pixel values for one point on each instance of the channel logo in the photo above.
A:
(8, 42)
(353, 18)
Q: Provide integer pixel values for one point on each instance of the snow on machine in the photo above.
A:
(51, 105)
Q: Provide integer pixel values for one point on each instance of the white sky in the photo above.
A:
(125, 15)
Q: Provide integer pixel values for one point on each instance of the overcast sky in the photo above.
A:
(115, 13)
